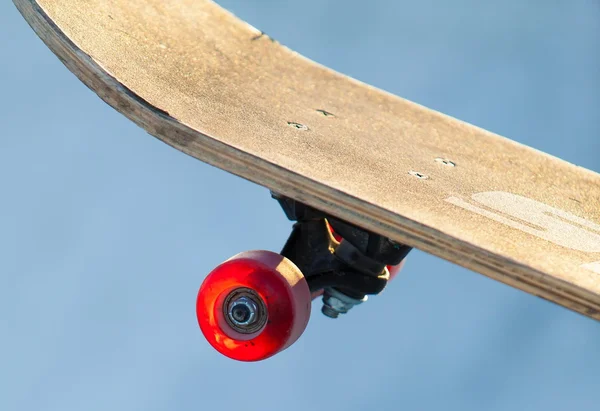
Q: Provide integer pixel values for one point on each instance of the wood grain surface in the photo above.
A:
(210, 85)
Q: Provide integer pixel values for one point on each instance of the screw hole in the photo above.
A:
(325, 113)
(445, 162)
(297, 125)
(420, 176)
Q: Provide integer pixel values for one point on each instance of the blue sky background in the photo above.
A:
(106, 233)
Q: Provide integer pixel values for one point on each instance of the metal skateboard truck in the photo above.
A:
(344, 262)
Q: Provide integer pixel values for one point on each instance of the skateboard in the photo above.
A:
(364, 175)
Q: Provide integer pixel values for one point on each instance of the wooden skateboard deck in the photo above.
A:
(210, 85)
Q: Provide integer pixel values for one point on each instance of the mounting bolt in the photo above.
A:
(336, 303)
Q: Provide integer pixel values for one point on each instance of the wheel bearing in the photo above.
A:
(245, 311)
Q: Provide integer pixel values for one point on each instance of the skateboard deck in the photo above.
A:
(212, 86)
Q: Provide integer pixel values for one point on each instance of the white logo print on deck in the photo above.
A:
(555, 225)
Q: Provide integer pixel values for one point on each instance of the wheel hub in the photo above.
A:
(245, 311)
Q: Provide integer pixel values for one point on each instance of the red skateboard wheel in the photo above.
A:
(253, 305)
